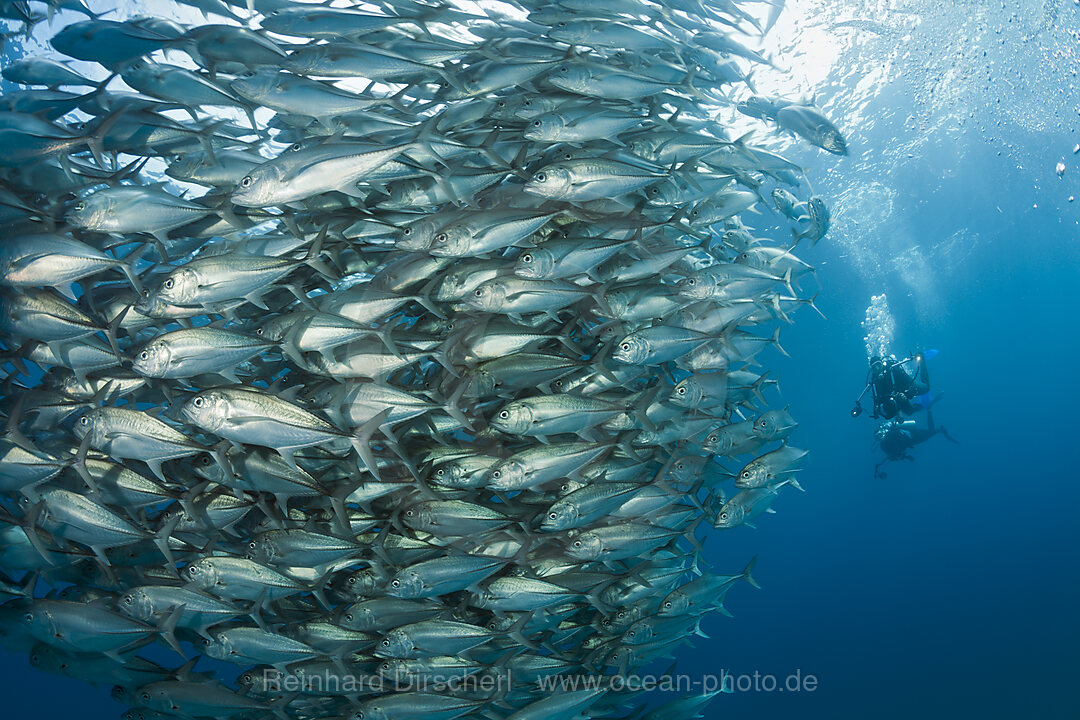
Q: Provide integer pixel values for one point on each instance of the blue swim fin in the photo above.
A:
(926, 400)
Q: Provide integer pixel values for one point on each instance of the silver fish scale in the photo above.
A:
(360, 399)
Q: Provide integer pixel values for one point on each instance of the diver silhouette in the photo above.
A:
(897, 437)
(894, 389)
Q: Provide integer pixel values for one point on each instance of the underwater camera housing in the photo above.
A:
(857, 410)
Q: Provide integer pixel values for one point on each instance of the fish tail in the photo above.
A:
(747, 572)
(361, 441)
(167, 629)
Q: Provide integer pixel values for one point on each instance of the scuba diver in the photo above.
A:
(896, 437)
(897, 386)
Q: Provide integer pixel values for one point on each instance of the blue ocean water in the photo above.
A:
(949, 588)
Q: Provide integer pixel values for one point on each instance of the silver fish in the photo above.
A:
(443, 366)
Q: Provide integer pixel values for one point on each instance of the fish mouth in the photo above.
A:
(241, 196)
(692, 293)
(188, 414)
(144, 306)
(836, 146)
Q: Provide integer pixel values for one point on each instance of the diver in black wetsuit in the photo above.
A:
(894, 389)
(897, 437)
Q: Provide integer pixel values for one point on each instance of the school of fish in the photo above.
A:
(407, 351)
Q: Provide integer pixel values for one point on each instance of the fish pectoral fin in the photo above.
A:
(236, 419)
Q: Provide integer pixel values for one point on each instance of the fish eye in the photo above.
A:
(540, 177)
(252, 545)
(577, 543)
(553, 516)
(193, 570)
(127, 600)
(348, 617)
(295, 147)
(406, 231)
(478, 292)
(441, 238)
(178, 158)
(723, 516)
(84, 421)
(537, 123)
(504, 414)
(144, 355)
(625, 346)
(28, 617)
(205, 459)
(197, 402)
(145, 696)
(526, 258)
(497, 474)
(691, 282)
(667, 605)
(169, 284)
(80, 206)
(386, 643)
(680, 391)
(246, 182)
(745, 474)
(395, 583)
